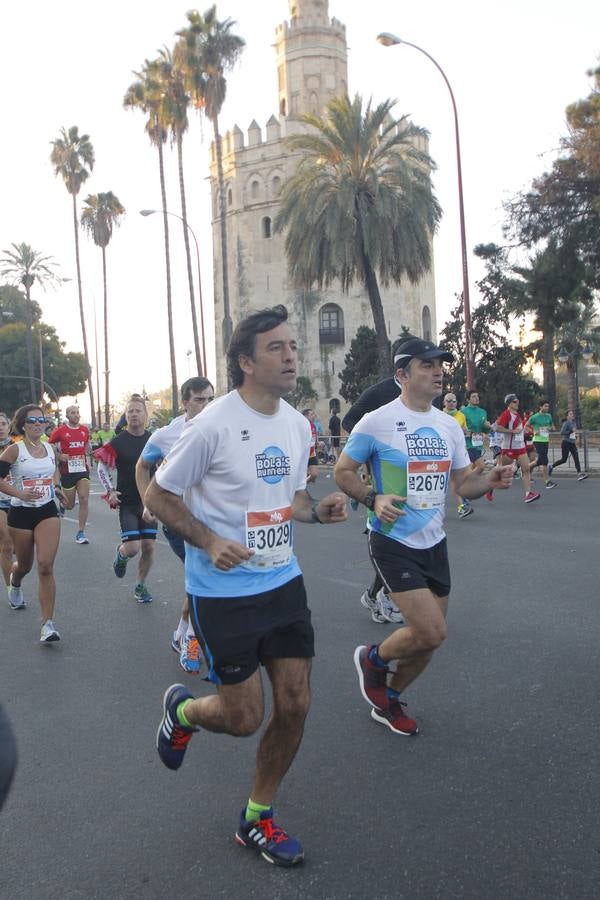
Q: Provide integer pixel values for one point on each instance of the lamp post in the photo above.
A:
(564, 356)
(388, 40)
(150, 212)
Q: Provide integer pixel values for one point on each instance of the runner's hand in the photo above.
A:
(386, 509)
(63, 457)
(114, 499)
(332, 508)
(226, 554)
(31, 495)
(148, 517)
(501, 477)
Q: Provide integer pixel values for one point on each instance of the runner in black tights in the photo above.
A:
(568, 433)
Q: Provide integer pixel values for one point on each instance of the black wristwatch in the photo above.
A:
(369, 500)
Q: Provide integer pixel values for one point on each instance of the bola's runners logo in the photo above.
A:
(272, 464)
(425, 444)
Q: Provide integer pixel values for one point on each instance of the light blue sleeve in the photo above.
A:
(152, 453)
(360, 447)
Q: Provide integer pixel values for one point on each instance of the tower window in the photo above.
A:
(229, 196)
(426, 320)
(254, 189)
(331, 324)
(266, 227)
(276, 185)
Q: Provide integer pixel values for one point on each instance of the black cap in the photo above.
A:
(415, 348)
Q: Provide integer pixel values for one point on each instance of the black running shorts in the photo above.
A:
(133, 525)
(69, 480)
(29, 517)
(541, 448)
(237, 634)
(405, 568)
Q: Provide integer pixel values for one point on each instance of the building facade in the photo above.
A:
(312, 68)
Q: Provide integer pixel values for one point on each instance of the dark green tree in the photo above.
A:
(303, 394)
(360, 206)
(361, 364)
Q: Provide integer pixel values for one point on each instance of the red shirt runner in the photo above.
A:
(72, 441)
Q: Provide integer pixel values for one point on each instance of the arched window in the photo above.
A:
(254, 189)
(229, 196)
(266, 227)
(426, 322)
(282, 107)
(276, 185)
(331, 324)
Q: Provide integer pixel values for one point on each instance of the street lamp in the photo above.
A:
(586, 352)
(389, 40)
(150, 212)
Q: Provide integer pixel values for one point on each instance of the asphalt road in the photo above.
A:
(497, 797)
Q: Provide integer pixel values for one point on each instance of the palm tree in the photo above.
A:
(73, 159)
(207, 49)
(147, 94)
(101, 213)
(22, 265)
(553, 287)
(176, 102)
(360, 205)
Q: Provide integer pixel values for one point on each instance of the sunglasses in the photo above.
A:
(34, 420)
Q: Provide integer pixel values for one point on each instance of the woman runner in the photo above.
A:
(6, 548)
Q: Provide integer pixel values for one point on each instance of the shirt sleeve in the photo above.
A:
(106, 454)
(152, 452)
(55, 436)
(360, 446)
(188, 461)
(503, 419)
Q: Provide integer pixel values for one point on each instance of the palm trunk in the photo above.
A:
(186, 240)
(227, 323)
(81, 314)
(548, 365)
(106, 366)
(163, 194)
(383, 344)
(33, 391)
(572, 398)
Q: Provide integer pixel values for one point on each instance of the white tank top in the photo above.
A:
(29, 472)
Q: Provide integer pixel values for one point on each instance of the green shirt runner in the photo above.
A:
(476, 418)
(541, 424)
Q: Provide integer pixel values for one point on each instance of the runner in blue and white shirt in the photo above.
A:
(232, 487)
(196, 394)
(413, 451)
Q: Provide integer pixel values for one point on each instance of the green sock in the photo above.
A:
(181, 714)
(253, 810)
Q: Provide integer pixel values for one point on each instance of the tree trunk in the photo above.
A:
(106, 366)
(548, 365)
(227, 323)
(186, 239)
(33, 390)
(163, 194)
(572, 398)
(383, 343)
(82, 316)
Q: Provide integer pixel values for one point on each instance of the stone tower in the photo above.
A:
(311, 70)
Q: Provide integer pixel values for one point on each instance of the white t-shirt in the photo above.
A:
(160, 441)
(238, 472)
(410, 454)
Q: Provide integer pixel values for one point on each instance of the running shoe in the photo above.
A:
(172, 738)
(269, 839)
(49, 633)
(388, 609)
(372, 678)
(550, 485)
(371, 604)
(530, 496)
(120, 564)
(175, 643)
(80, 538)
(16, 600)
(190, 658)
(489, 495)
(142, 594)
(582, 476)
(395, 718)
(464, 511)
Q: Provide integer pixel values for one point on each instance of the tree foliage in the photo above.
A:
(303, 393)
(360, 206)
(361, 364)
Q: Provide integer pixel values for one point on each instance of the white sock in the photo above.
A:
(190, 631)
(181, 628)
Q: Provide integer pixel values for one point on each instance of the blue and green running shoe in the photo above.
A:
(172, 737)
(268, 839)
(120, 564)
(142, 594)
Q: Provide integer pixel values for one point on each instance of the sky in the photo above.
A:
(513, 66)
